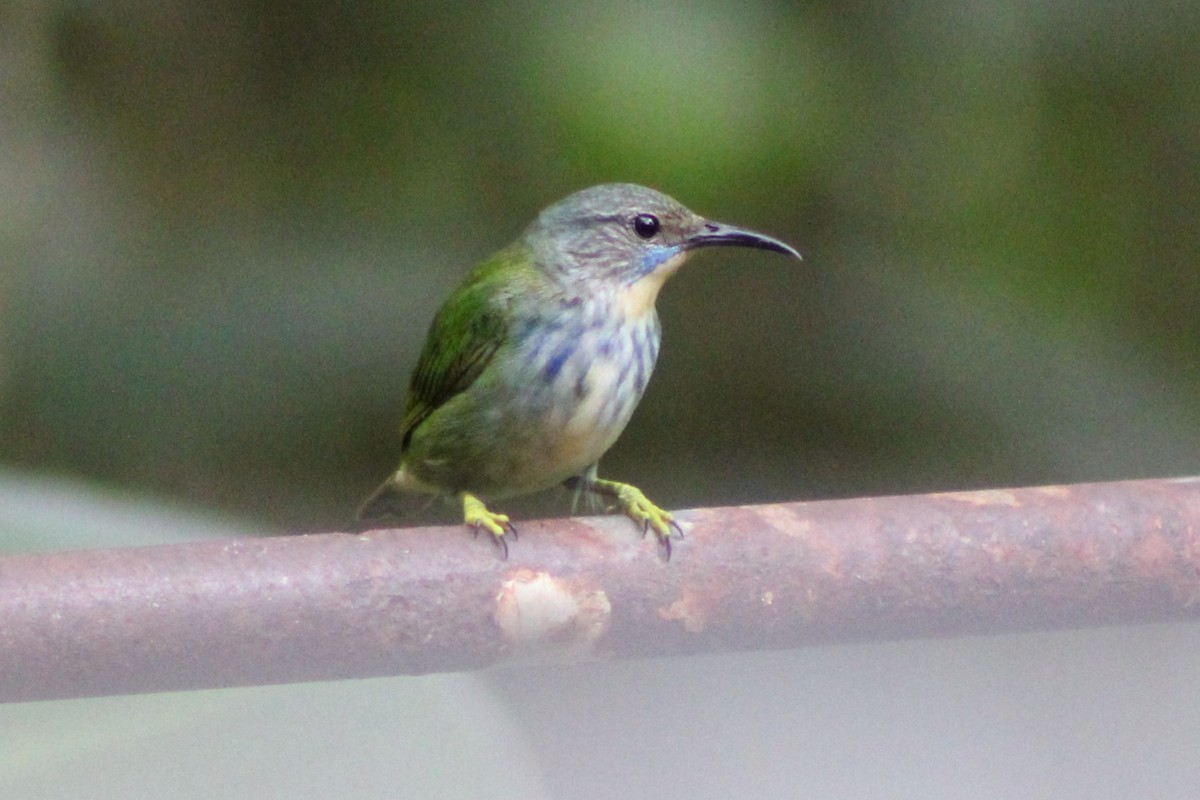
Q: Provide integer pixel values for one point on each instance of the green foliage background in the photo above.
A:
(226, 226)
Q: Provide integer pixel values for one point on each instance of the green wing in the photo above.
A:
(463, 337)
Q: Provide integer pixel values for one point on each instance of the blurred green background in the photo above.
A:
(225, 227)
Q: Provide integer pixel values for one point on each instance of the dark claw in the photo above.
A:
(645, 527)
(500, 540)
(675, 525)
(666, 541)
(508, 526)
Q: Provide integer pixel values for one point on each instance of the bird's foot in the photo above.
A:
(638, 508)
(476, 514)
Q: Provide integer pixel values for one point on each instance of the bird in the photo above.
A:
(536, 361)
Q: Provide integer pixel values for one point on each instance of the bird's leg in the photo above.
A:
(633, 504)
(579, 484)
(476, 514)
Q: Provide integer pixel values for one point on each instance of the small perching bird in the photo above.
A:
(535, 363)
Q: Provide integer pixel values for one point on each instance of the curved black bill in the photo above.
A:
(714, 234)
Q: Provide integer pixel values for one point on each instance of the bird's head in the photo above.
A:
(628, 239)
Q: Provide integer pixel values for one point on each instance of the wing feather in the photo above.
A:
(462, 340)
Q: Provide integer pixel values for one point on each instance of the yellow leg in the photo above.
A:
(476, 514)
(638, 508)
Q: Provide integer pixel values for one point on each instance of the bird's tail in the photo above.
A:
(385, 502)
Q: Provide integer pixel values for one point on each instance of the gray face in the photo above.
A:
(621, 232)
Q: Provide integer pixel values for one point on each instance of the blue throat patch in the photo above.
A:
(654, 256)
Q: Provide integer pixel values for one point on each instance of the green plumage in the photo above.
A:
(463, 337)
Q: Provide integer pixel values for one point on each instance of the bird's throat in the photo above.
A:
(637, 299)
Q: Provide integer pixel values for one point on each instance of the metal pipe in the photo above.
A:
(326, 606)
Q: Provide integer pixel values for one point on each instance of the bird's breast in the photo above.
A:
(592, 371)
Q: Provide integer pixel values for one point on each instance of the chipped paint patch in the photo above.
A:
(982, 497)
(785, 518)
(541, 615)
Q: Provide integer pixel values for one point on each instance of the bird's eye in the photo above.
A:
(646, 225)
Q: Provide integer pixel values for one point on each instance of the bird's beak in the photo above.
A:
(714, 234)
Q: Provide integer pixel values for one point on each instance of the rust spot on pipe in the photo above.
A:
(688, 609)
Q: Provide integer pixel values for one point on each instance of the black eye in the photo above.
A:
(646, 225)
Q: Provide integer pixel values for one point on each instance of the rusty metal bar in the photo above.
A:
(327, 606)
